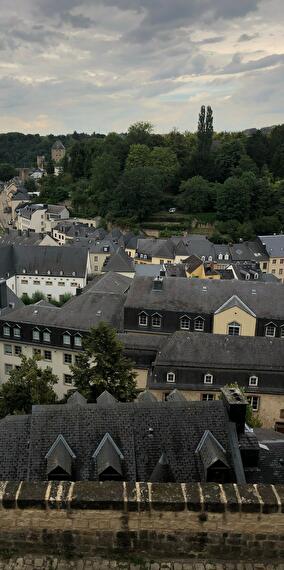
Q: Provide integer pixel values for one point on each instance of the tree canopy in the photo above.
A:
(102, 366)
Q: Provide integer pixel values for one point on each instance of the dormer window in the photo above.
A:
(220, 256)
(156, 321)
(48, 272)
(210, 258)
(234, 329)
(36, 335)
(253, 381)
(282, 331)
(60, 460)
(67, 339)
(184, 323)
(60, 272)
(226, 257)
(46, 336)
(203, 258)
(36, 271)
(6, 330)
(143, 319)
(24, 271)
(208, 378)
(270, 330)
(73, 273)
(199, 324)
(17, 331)
(171, 377)
(108, 458)
(78, 341)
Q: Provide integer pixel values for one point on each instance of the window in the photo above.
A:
(24, 281)
(68, 379)
(207, 397)
(226, 256)
(8, 349)
(47, 355)
(48, 282)
(36, 335)
(67, 339)
(36, 282)
(73, 284)
(210, 258)
(282, 332)
(78, 341)
(270, 330)
(264, 265)
(234, 329)
(220, 256)
(8, 368)
(18, 350)
(46, 336)
(208, 379)
(162, 261)
(281, 261)
(199, 324)
(17, 332)
(67, 358)
(77, 359)
(36, 352)
(253, 381)
(49, 297)
(143, 320)
(185, 323)
(254, 402)
(280, 271)
(61, 283)
(36, 271)
(273, 261)
(273, 271)
(6, 330)
(171, 377)
(156, 321)
(96, 258)
(73, 273)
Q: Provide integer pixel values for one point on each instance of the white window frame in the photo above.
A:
(200, 319)
(208, 378)
(78, 337)
(46, 332)
(64, 336)
(68, 383)
(253, 380)
(8, 353)
(234, 325)
(36, 332)
(207, 397)
(159, 318)
(143, 324)
(220, 256)
(17, 328)
(250, 400)
(186, 319)
(7, 330)
(171, 377)
(271, 325)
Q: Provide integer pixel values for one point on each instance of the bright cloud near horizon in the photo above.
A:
(100, 66)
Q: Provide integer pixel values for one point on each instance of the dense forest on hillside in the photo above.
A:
(231, 180)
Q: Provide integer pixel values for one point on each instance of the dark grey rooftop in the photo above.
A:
(29, 259)
(205, 296)
(119, 262)
(221, 351)
(274, 245)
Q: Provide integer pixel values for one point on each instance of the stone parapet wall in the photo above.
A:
(184, 520)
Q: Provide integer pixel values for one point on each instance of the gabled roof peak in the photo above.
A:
(235, 301)
(76, 399)
(106, 399)
(146, 397)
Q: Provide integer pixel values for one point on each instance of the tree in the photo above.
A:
(139, 155)
(102, 366)
(27, 385)
(258, 148)
(196, 195)
(233, 200)
(227, 158)
(105, 177)
(165, 161)
(138, 194)
(140, 133)
(7, 171)
(205, 131)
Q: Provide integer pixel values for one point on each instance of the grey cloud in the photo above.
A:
(78, 20)
(237, 66)
(247, 37)
(214, 40)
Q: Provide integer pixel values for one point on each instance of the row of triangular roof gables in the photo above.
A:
(108, 457)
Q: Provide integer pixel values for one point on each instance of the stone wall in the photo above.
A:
(112, 518)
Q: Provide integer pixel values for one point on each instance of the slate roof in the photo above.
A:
(205, 296)
(100, 302)
(58, 145)
(119, 262)
(192, 262)
(274, 245)
(221, 351)
(248, 251)
(142, 432)
(31, 258)
(271, 458)
(148, 269)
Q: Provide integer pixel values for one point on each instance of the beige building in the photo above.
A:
(58, 151)
(274, 246)
(40, 218)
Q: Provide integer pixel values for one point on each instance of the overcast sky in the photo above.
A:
(100, 66)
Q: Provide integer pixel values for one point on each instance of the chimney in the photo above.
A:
(158, 283)
(236, 405)
(3, 294)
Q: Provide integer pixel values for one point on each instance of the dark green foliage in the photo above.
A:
(28, 385)
(138, 194)
(7, 171)
(197, 195)
(38, 296)
(102, 366)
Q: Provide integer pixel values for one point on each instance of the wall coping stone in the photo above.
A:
(125, 496)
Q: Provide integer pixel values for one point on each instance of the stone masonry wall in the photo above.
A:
(112, 518)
